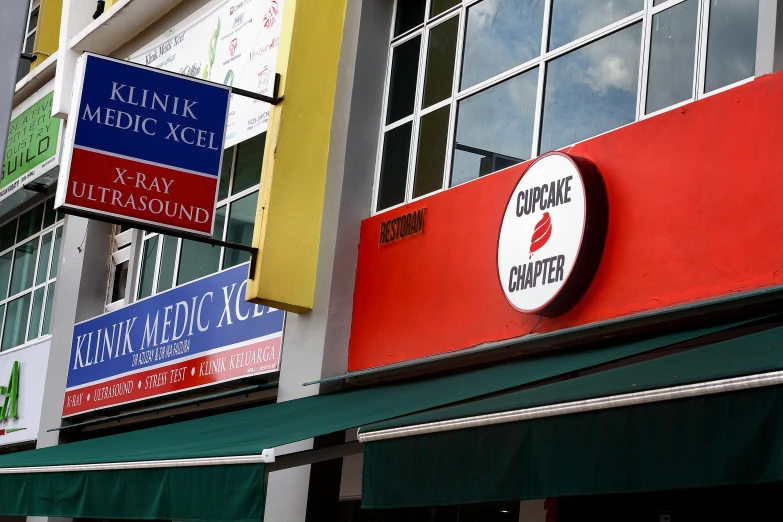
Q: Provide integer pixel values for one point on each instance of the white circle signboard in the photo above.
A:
(544, 231)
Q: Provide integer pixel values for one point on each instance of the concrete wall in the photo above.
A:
(315, 345)
(12, 26)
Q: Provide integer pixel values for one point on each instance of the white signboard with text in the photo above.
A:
(552, 235)
(231, 42)
(22, 376)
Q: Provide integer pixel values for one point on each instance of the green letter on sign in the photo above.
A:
(11, 393)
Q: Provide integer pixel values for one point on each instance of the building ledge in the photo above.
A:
(119, 24)
(36, 79)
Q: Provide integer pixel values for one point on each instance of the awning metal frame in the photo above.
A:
(267, 457)
(581, 406)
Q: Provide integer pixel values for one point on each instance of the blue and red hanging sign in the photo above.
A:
(143, 146)
(198, 334)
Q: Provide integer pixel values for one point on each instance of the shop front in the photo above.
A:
(652, 230)
(590, 200)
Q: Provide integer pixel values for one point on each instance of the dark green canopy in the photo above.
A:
(729, 431)
(152, 473)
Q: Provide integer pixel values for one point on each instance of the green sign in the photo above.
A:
(11, 395)
(32, 144)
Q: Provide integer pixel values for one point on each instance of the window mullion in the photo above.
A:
(234, 154)
(2, 330)
(29, 316)
(381, 134)
(452, 127)
(177, 255)
(51, 259)
(223, 236)
(539, 114)
(37, 258)
(644, 61)
(702, 35)
(156, 272)
(414, 145)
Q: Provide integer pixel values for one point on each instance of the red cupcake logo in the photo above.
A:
(541, 233)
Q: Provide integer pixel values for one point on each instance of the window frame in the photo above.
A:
(46, 285)
(31, 33)
(643, 16)
(225, 203)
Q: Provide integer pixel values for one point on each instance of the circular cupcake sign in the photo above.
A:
(552, 235)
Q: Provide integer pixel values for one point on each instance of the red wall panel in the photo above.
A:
(695, 211)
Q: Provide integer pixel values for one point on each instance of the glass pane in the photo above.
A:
(24, 266)
(167, 258)
(16, 322)
(250, 156)
(431, 157)
(591, 90)
(572, 19)
(225, 173)
(731, 43)
(672, 53)
(56, 252)
(438, 6)
(30, 222)
(410, 13)
(23, 69)
(5, 273)
(500, 34)
(33, 20)
(48, 308)
(441, 49)
(7, 235)
(148, 258)
(240, 229)
(495, 128)
(35, 316)
(394, 166)
(402, 84)
(43, 259)
(200, 259)
(49, 213)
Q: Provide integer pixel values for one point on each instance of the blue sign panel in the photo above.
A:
(152, 115)
(194, 335)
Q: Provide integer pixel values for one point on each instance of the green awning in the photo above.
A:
(154, 473)
(708, 416)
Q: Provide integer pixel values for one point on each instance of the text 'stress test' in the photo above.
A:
(145, 146)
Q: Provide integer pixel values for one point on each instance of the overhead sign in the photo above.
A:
(235, 43)
(195, 335)
(143, 146)
(22, 376)
(32, 147)
(552, 235)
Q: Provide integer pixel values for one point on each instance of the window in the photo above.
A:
(122, 240)
(167, 261)
(29, 39)
(477, 86)
(29, 251)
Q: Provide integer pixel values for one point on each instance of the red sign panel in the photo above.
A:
(694, 213)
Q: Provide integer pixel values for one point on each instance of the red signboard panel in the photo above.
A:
(694, 213)
(147, 193)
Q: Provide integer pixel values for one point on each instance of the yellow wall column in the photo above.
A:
(293, 180)
(48, 34)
